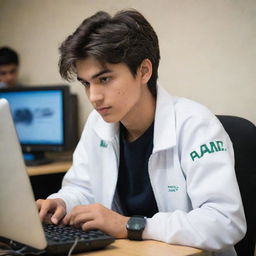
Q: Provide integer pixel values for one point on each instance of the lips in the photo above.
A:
(103, 110)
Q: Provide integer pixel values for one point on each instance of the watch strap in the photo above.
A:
(135, 235)
(135, 227)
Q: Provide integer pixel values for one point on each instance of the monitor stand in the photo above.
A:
(35, 158)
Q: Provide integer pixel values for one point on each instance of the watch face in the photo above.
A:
(136, 223)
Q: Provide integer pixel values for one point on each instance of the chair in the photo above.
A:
(243, 136)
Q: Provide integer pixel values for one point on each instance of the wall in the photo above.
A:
(207, 46)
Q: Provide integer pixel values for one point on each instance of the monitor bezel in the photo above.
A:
(64, 89)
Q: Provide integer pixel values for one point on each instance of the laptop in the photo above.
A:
(20, 225)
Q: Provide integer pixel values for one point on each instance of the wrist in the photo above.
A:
(124, 229)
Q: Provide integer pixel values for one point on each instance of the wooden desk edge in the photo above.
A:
(54, 167)
(146, 248)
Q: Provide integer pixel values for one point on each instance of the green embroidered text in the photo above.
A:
(211, 147)
(103, 144)
(172, 188)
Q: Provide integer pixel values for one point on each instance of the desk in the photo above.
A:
(123, 247)
(51, 168)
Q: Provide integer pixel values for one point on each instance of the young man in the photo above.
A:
(9, 65)
(142, 151)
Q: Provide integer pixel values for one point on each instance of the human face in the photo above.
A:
(9, 74)
(112, 89)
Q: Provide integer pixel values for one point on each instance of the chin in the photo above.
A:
(110, 119)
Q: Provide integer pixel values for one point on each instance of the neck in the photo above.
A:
(141, 116)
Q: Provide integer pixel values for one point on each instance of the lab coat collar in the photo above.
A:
(164, 125)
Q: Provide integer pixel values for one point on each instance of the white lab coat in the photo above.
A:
(198, 199)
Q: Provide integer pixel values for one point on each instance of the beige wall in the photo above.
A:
(208, 48)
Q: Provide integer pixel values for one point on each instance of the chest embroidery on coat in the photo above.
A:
(103, 144)
(211, 147)
(172, 188)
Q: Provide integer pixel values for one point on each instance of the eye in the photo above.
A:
(104, 79)
(85, 84)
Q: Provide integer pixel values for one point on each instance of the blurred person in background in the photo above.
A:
(9, 68)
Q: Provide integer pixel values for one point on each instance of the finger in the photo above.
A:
(39, 204)
(71, 218)
(47, 218)
(44, 209)
(66, 219)
(89, 225)
(58, 214)
(79, 219)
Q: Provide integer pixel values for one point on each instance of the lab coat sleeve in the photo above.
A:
(216, 220)
(76, 187)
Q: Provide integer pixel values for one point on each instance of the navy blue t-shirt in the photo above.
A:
(133, 185)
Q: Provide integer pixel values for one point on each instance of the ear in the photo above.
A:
(145, 71)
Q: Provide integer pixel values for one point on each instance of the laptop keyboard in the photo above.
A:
(60, 238)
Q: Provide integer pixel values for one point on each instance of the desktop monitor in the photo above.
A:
(44, 117)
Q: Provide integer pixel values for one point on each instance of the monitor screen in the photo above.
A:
(42, 116)
(38, 115)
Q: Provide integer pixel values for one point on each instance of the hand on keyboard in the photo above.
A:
(51, 210)
(96, 216)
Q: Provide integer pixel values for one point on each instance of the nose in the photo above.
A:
(9, 77)
(95, 94)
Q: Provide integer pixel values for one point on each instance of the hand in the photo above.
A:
(56, 208)
(96, 216)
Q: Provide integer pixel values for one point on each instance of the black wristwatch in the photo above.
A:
(135, 227)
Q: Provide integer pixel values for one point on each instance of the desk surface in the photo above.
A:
(51, 168)
(122, 247)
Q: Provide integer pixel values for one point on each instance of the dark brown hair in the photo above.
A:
(8, 56)
(127, 37)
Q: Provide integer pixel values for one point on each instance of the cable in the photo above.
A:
(20, 252)
(9, 252)
(12, 252)
(72, 247)
(24, 251)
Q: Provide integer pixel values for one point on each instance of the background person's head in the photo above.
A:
(9, 64)
(127, 37)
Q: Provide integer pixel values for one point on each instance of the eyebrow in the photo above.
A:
(104, 71)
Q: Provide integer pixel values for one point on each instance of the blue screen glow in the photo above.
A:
(38, 115)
